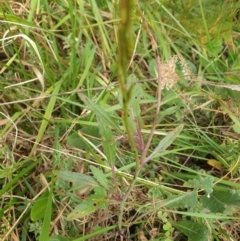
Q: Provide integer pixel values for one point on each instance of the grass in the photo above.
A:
(119, 122)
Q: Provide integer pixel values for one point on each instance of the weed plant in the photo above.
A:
(120, 120)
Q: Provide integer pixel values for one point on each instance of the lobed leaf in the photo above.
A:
(100, 177)
(218, 201)
(194, 231)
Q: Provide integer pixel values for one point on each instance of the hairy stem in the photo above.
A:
(125, 52)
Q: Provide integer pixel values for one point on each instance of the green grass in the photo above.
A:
(119, 121)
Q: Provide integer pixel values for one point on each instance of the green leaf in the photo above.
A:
(108, 141)
(234, 118)
(236, 128)
(98, 111)
(137, 94)
(218, 201)
(214, 47)
(76, 141)
(16, 20)
(203, 215)
(58, 238)
(168, 111)
(44, 234)
(205, 183)
(188, 200)
(166, 141)
(18, 177)
(99, 193)
(95, 233)
(105, 124)
(194, 231)
(87, 207)
(94, 202)
(152, 68)
(100, 177)
(39, 207)
(82, 184)
(47, 115)
(77, 178)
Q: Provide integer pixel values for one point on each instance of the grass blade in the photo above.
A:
(166, 141)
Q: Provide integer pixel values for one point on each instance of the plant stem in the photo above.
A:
(159, 89)
(125, 52)
(124, 55)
